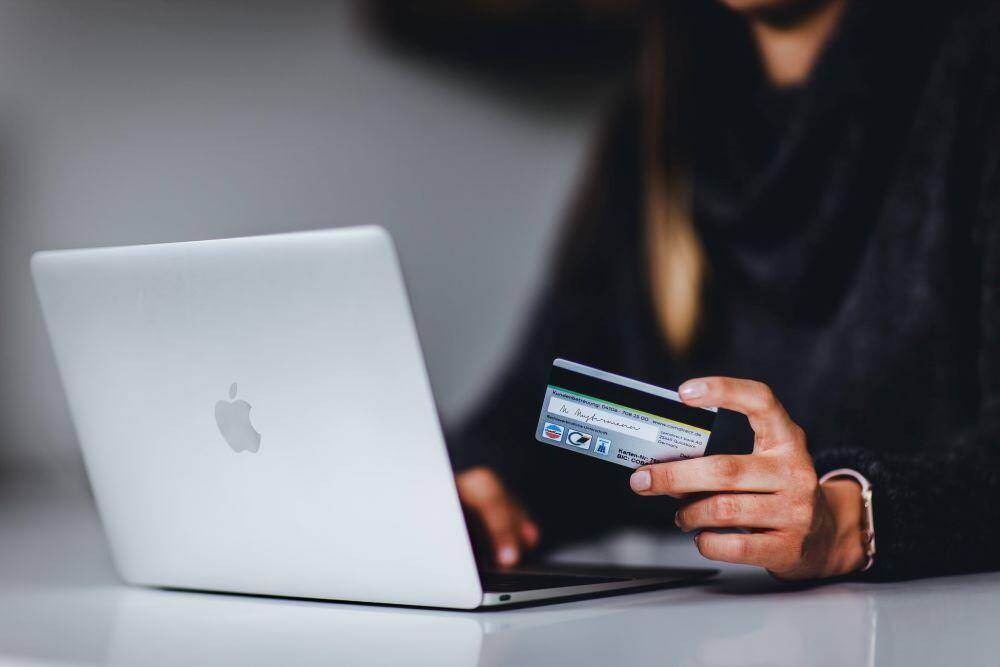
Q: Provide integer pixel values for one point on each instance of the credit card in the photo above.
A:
(617, 419)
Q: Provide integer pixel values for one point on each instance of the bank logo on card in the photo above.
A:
(553, 432)
(578, 439)
(602, 447)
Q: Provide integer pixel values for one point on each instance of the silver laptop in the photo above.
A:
(255, 417)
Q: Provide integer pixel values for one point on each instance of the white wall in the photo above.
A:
(137, 122)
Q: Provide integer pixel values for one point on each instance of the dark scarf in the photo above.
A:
(788, 182)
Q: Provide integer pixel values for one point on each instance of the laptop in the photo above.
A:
(255, 417)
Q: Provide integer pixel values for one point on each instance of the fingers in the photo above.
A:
(733, 510)
(762, 549)
(768, 418)
(508, 530)
(720, 472)
(529, 532)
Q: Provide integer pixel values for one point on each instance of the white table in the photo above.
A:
(60, 602)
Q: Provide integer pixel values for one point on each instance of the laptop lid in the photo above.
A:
(255, 416)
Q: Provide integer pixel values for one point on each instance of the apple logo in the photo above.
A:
(233, 418)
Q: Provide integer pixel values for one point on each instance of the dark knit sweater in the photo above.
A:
(852, 228)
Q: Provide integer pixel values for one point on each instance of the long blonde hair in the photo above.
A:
(675, 256)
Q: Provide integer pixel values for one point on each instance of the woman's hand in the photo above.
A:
(500, 526)
(798, 529)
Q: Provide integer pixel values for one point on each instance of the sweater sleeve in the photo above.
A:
(938, 512)
(499, 432)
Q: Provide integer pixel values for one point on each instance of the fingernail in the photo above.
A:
(640, 481)
(507, 556)
(677, 518)
(695, 389)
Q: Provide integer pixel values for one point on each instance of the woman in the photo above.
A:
(804, 195)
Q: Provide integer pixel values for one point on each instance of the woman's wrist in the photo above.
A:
(847, 551)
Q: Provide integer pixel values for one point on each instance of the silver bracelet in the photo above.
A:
(868, 520)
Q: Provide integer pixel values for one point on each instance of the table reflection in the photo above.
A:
(730, 627)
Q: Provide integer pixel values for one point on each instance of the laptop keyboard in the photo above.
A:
(511, 582)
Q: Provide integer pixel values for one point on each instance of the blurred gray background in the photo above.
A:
(144, 122)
